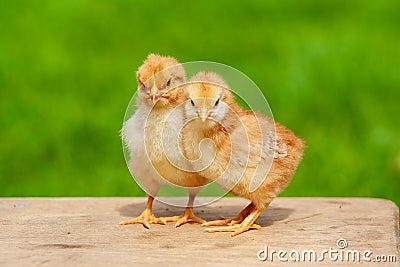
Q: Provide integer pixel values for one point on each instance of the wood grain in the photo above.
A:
(85, 232)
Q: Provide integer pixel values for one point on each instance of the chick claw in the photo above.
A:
(222, 222)
(187, 216)
(246, 221)
(232, 221)
(146, 218)
(235, 229)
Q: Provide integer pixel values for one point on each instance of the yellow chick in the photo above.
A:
(153, 131)
(246, 153)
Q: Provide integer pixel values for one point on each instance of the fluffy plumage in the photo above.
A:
(152, 136)
(250, 155)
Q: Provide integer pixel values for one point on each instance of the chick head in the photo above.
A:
(156, 77)
(209, 98)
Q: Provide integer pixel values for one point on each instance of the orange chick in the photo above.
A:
(246, 153)
(153, 131)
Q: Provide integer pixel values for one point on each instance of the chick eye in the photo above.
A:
(217, 102)
(169, 82)
(191, 101)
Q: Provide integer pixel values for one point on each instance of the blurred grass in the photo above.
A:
(329, 69)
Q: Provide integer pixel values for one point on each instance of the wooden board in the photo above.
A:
(85, 232)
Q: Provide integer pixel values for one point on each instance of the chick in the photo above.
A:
(156, 122)
(250, 155)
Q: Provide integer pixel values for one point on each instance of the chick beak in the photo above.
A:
(154, 93)
(203, 114)
(153, 98)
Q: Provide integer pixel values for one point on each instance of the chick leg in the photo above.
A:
(146, 217)
(247, 223)
(231, 221)
(187, 216)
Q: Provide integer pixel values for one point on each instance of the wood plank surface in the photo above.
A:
(85, 232)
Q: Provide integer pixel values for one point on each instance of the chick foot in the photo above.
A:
(231, 221)
(185, 217)
(146, 218)
(223, 222)
(236, 228)
(245, 225)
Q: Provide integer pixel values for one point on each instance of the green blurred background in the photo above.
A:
(329, 69)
